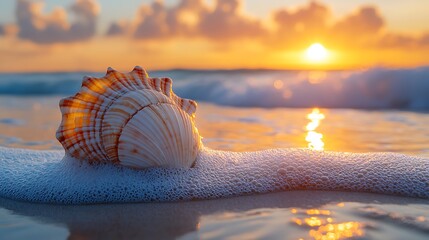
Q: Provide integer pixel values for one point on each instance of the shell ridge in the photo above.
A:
(129, 88)
(138, 79)
(167, 131)
(152, 135)
(110, 70)
(167, 85)
(179, 134)
(192, 133)
(100, 132)
(131, 116)
(156, 138)
(175, 134)
(140, 72)
(87, 81)
(162, 117)
(148, 92)
(150, 145)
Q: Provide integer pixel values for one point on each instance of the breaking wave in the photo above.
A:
(377, 88)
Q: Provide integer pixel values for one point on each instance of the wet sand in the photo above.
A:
(285, 215)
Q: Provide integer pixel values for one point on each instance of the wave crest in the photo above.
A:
(377, 88)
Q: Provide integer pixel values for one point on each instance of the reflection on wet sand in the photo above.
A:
(314, 138)
(323, 226)
(296, 214)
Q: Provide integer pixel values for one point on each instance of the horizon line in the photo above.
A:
(226, 69)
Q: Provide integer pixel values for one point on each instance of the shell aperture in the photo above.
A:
(129, 119)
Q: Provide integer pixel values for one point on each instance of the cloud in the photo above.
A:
(397, 40)
(152, 21)
(54, 27)
(226, 22)
(191, 18)
(310, 18)
(366, 20)
(360, 27)
(8, 30)
(118, 28)
(313, 22)
(365, 27)
(158, 21)
(308, 22)
(424, 39)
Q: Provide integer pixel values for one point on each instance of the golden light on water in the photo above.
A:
(344, 230)
(322, 225)
(314, 138)
(313, 221)
(318, 212)
(316, 53)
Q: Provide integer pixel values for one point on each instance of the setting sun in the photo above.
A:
(316, 53)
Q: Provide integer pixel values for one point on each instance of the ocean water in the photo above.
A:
(376, 110)
(377, 88)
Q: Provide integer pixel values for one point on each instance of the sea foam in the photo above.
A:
(45, 176)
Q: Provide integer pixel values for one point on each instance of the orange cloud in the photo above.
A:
(156, 21)
(364, 27)
(53, 28)
(8, 30)
(191, 18)
(366, 21)
(424, 39)
(118, 28)
(226, 22)
(306, 23)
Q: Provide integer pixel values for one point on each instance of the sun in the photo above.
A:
(316, 53)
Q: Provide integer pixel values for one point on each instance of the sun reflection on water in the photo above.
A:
(343, 230)
(314, 138)
(322, 225)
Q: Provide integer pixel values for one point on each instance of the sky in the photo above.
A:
(90, 35)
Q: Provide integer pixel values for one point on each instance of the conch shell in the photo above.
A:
(131, 120)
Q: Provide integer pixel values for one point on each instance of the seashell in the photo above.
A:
(131, 120)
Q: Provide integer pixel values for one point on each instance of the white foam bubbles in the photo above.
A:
(41, 176)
